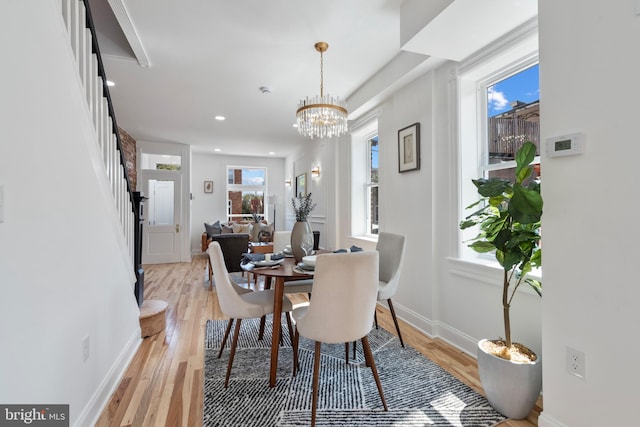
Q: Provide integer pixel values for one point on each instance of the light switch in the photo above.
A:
(1, 203)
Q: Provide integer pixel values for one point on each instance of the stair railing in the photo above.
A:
(84, 44)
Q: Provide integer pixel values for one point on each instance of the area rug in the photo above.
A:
(418, 392)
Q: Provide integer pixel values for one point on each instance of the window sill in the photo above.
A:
(485, 271)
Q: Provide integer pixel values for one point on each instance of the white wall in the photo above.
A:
(62, 271)
(210, 207)
(589, 83)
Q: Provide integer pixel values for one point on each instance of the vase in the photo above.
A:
(511, 388)
(255, 232)
(300, 228)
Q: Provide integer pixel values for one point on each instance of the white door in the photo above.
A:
(162, 230)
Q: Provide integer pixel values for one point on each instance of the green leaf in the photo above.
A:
(492, 187)
(524, 157)
(511, 259)
(467, 223)
(536, 258)
(526, 205)
(482, 247)
(536, 285)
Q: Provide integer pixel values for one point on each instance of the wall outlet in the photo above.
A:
(86, 347)
(576, 362)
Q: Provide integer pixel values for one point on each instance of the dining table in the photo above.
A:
(282, 273)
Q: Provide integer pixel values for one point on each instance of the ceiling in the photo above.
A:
(177, 64)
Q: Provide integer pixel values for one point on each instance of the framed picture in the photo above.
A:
(409, 148)
(301, 185)
(208, 186)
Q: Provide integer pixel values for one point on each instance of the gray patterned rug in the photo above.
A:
(418, 392)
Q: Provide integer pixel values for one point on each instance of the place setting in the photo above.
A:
(257, 261)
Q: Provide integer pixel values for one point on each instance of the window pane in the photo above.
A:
(161, 203)
(373, 159)
(513, 106)
(373, 212)
(160, 162)
(246, 176)
(508, 174)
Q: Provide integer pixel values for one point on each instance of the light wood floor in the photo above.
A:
(163, 386)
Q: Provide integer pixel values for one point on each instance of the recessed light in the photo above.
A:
(271, 153)
(220, 118)
(217, 150)
(295, 125)
(110, 83)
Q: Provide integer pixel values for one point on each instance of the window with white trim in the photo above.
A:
(499, 111)
(371, 186)
(246, 187)
(365, 179)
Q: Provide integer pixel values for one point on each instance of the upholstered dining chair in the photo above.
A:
(391, 248)
(240, 306)
(341, 310)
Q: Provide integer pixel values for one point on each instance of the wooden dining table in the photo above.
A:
(285, 272)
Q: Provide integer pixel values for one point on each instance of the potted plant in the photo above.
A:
(302, 206)
(509, 221)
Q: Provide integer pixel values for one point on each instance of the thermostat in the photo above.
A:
(565, 145)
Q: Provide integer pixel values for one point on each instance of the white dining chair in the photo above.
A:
(341, 310)
(391, 248)
(241, 306)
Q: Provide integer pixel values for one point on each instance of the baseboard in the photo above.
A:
(548, 421)
(92, 411)
(433, 329)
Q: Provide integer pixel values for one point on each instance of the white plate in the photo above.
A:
(309, 261)
(306, 267)
(268, 263)
(301, 271)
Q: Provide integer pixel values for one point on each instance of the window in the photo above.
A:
(498, 94)
(245, 192)
(372, 185)
(513, 118)
(160, 162)
(365, 179)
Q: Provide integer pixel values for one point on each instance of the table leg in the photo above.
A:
(278, 294)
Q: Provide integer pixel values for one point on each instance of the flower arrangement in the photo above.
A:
(303, 207)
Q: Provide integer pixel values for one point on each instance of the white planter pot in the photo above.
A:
(511, 388)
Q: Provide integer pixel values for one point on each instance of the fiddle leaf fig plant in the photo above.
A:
(508, 215)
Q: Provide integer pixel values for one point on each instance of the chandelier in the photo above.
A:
(322, 116)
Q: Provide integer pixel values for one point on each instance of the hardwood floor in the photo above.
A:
(163, 386)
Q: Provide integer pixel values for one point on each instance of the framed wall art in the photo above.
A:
(208, 186)
(301, 185)
(409, 148)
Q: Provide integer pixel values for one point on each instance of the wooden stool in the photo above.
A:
(153, 315)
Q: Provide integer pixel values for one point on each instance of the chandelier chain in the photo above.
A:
(321, 75)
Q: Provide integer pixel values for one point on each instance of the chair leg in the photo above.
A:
(316, 376)
(263, 319)
(290, 326)
(233, 352)
(210, 273)
(372, 364)
(355, 343)
(296, 337)
(375, 318)
(226, 335)
(346, 352)
(395, 320)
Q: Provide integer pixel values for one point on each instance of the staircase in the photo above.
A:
(84, 44)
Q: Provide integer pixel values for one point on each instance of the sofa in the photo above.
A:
(234, 241)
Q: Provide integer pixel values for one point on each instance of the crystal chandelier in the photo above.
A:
(322, 116)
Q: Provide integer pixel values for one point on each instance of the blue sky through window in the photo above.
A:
(524, 87)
